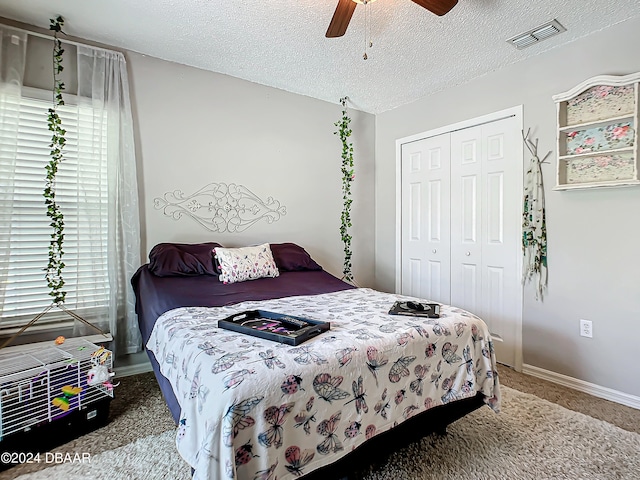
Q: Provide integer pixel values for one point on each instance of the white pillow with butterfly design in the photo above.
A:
(245, 263)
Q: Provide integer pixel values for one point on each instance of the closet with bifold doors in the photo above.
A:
(460, 230)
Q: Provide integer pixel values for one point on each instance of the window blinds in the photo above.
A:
(81, 192)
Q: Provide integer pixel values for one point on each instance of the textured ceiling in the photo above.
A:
(281, 43)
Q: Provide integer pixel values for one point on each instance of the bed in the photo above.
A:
(249, 408)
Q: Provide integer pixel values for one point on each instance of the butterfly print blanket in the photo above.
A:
(258, 410)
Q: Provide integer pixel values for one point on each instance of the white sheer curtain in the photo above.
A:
(101, 114)
(13, 53)
(103, 81)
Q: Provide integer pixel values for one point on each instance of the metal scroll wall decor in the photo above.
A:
(221, 207)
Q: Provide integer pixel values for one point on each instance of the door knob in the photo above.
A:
(433, 251)
(468, 253)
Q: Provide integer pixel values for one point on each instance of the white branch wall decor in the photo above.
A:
(221, 207)
(534, 220)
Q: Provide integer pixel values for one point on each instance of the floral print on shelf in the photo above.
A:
(599, 168)
(609, 137)
(600, 102)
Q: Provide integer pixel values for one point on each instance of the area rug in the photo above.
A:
(530, 439)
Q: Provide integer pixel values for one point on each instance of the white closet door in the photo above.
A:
(425, 219)
(502, 230)
(466, 215)
(485, 203)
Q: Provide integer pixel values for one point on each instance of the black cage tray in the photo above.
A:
(274, 326)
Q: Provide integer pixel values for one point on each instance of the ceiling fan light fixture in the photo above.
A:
(363, 2)
(535, 35)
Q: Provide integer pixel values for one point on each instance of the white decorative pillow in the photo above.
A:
(246, 263)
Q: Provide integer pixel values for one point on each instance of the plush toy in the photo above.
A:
(99, 373)
(60, 340)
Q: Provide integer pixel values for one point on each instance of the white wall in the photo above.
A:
(197, 127)
(593, 246)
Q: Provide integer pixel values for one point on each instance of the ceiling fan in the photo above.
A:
(345, 8)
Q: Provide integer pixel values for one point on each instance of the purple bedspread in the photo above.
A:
(157, 295)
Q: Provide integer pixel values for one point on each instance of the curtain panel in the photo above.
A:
(103, 80)
(102, 105)
(13, 52)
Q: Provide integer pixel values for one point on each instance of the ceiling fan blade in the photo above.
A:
(341, 18)
(439, 7)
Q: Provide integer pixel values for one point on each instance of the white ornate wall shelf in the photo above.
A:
(221, 207)
(598, 133)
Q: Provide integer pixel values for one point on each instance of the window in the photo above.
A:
(81, 192)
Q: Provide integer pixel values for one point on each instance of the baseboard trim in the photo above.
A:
(128, 370)
(582, 386)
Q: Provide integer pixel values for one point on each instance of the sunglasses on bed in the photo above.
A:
(415, 306)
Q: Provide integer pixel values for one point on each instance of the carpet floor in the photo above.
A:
(568, 435)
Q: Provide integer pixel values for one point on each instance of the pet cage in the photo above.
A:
(47, 383)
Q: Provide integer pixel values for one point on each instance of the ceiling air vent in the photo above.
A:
(542, 32)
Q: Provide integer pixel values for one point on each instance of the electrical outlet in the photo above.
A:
(586, 328)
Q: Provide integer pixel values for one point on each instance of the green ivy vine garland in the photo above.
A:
(55, 265)
(344, 132)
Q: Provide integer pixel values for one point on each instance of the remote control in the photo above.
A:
(294, 322)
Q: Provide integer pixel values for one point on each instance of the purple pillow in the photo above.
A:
(183, 259)
(291, 257)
